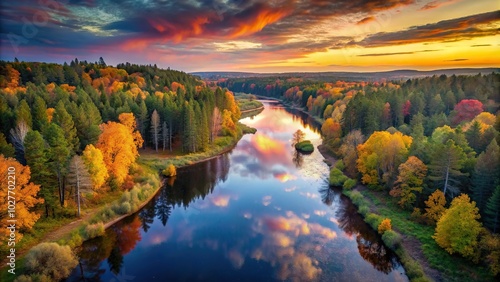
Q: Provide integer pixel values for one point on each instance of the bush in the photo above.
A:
(391, 239)
(349, 183)
(124, 208)
(384, 226)
(52, 260)
(374, 220)
(340, 165)
(305, 146)
(356, 197)
(170, 171)
(94, 230)
(364, 209)
(413, 269)
(337, 177)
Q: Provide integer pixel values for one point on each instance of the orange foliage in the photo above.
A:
(176, 85)
(129, 235)
(67, 88)
(118, 148)
(50, 113)
(129, 121)
(23, 194)
(384, 226)
(331, 129)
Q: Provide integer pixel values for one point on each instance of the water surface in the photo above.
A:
(261, 212)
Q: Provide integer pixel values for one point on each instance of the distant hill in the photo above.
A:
(370, 76)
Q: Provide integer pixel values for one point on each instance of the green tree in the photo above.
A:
(40, 114)
(486, 175)
(473, 135)
(458, 229)
(492, 211)
(6, 149)
(410, 181)
(59, 155)
(36, 155)
(23, 113)
(446, 162)
(65, 121)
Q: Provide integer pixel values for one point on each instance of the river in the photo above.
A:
(261, 212)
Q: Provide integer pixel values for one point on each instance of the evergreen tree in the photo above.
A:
(6, 149)
(59, 155)
(23, 114)
(37, 159)
(446, 162)
(473, 135)
(486, 175)
(40, 114)
(492, 211)
(65, 121)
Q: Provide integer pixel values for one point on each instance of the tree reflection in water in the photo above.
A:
(122, 237)
(370, 246)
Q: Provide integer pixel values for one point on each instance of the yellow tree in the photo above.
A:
(22, 195)
(228, 125)
(232, 106)
(380, 155)
(458, 229)
(410, 180)
(94, 162)
(129, 121)
(435, 206)
(119, 150)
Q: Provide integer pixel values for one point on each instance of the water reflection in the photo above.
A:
(261, 212)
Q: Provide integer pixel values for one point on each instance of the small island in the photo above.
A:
(300, 144)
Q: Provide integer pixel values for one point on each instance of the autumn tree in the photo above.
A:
(348, 151)
(130, 123)
(298, 136)
(94, 163)
(410, 181)
(435, 206)
(155, 128)
(466, 110)
(446, 162)
(24, 195)
(119, 149)
(458, 229)
(380, 155)
(228, 125)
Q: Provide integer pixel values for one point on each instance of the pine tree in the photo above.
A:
(59, 155)
(37, 159)
(23, 114)
(492, 211)
(446, 162)
(6, 149)
(473, 135)
(79, 178)
(486, 175)
(65, 121)
(40, 114)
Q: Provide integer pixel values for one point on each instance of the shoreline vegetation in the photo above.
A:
(413, 243)
(95, 221)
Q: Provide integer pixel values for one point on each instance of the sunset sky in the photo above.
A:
(256, 36)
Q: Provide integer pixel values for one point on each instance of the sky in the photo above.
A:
(256, 35)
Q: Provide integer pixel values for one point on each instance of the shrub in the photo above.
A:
(170, 171)
(305, 146)
(52, 260)
(374, 220)
(413, 269)
(124, 208)
(391, 239)
(337, 177)
(384, 226)
(356, 197)
(340, 165)
(364, 209)
(94, 230)
(349, 183)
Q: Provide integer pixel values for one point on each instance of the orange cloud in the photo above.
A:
(284, 176)
(263, 18)
(366, 20)
(220, 200)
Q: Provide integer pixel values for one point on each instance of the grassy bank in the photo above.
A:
(221, 145)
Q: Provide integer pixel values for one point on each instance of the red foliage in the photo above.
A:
(466, 110)
(406, 108)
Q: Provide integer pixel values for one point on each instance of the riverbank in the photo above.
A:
(145, 181)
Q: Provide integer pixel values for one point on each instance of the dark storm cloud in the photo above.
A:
(469, 27)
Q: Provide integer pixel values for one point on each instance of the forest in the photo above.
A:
(73, 133)
(430, 145)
